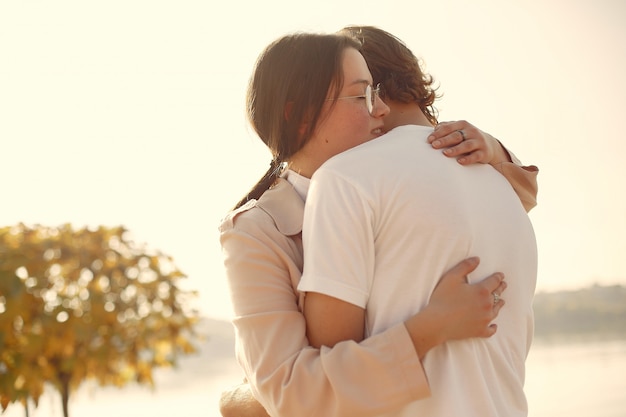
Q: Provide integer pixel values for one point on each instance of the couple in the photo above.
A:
(397, 322)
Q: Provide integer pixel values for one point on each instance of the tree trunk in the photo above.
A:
(65, 394)
(26, 408)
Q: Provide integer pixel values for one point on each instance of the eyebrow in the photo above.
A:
(360, 81)
(355, 82)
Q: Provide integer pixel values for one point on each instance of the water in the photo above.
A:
(579, 378)
(573, 378)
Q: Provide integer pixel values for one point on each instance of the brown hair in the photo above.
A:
(289, 85)
(394, 66)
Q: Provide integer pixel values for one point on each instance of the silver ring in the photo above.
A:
(462, 135)
(496, 298)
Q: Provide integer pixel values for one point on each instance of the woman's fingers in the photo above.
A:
(462, 269)
(462, 140)
(448, 134)
(445, 128)
(492, 288)
(494, 283)
(491, 330)
(495, 298)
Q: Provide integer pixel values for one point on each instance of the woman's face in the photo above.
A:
(344, 123)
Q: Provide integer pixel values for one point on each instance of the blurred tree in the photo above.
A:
(86, 304)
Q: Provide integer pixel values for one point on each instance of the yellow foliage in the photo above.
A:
(87, 303)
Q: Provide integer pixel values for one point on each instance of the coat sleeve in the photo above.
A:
(522, 178)
(287, 376)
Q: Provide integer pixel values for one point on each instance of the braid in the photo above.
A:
(263, 184)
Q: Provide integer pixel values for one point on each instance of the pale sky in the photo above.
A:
(132, 112)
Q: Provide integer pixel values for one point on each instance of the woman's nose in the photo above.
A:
(381, 108)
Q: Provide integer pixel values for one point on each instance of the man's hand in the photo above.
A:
(239, 402)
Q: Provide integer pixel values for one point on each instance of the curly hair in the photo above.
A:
(396, 68)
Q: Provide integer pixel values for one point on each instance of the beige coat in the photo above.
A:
(262, 246)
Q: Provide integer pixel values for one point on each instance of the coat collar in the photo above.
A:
(283, 204)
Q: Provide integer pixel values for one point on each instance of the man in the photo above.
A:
(390, 210)
(239, 401)
(411, 94)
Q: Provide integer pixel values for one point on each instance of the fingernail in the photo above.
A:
(462, 160)
(448, 151)
(437, 143)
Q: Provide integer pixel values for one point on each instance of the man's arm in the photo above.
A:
(325, 329)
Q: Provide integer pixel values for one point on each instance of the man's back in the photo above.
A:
(400, 216)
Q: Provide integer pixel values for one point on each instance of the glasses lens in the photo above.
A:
(369, 98)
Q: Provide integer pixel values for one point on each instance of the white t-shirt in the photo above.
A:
(385, 220)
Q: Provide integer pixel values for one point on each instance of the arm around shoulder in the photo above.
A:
(523, 178)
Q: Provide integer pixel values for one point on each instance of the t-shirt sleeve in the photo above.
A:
(338, 239)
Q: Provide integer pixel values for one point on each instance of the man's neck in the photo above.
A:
(402, 114)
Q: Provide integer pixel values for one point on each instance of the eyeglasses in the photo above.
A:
(370, 97)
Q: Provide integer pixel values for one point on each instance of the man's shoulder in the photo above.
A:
(413, 130)
(408, 133)
(407, 138)
(401, 136)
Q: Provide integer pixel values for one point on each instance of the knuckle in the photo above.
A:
(470, 159)
(484, 292)
(472, 129)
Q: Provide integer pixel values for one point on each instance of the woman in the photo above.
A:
(306, 101)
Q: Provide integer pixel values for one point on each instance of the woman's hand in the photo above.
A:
(467, 143)
(468, 309)
(458, 310)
